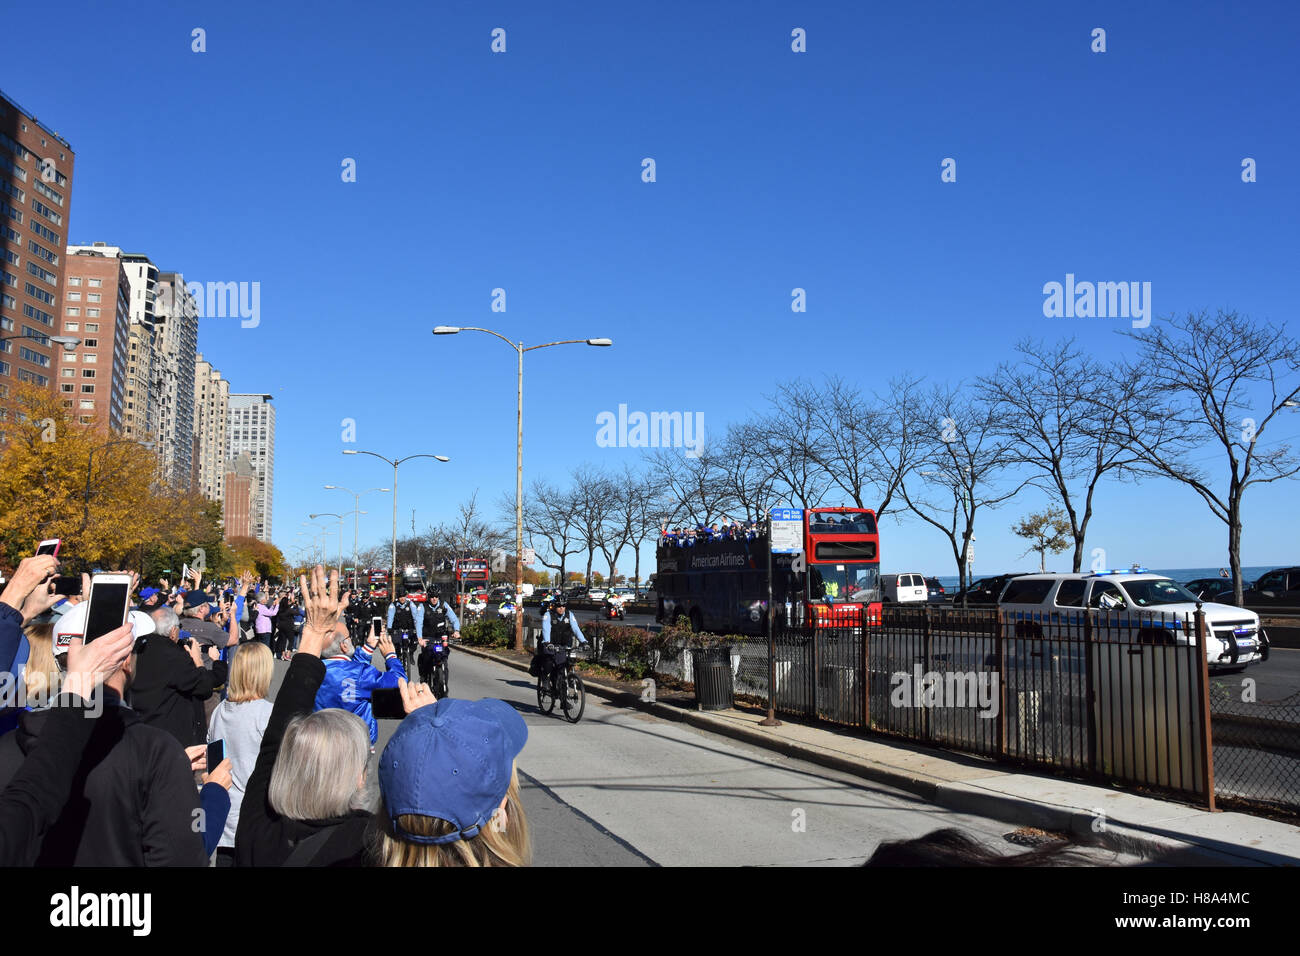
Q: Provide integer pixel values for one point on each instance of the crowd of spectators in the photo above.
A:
(104, 745)
(701, 533)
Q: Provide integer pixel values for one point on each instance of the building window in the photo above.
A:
(90, 343)
(74, 280)
(92, 313)
(95, 283)
(93, 297)
(88, 403)
(92, 327)
(71, 326)
(85, 372)
(67, 387)
(74, 296)
(72, 310)
(68, 372)
(85, 389)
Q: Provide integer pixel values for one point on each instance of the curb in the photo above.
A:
(965, 797)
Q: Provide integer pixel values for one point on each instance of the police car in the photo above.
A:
(1155, 608)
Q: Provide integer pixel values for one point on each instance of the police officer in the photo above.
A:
(559, 627)
(401, 622)
(440, 624)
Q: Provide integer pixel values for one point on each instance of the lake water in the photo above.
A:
(1181, 575)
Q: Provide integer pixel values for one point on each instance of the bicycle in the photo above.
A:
(440, 672)
(562, 684)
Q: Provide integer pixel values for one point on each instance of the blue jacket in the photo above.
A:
(348, 684)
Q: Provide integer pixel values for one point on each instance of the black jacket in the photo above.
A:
(284, 616)
(169, 691)
(133, 800)
(35, 795)
(264, 838)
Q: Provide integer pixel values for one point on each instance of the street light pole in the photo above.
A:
(392, 572)
(356, 498)
(519, 454)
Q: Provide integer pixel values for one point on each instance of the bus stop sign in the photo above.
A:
(787, 531)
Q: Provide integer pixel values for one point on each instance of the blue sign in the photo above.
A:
(787, 514)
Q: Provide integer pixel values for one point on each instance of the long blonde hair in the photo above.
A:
(250, 673)
(41, 676)
(494, 845)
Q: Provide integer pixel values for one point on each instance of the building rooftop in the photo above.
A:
(30, 115)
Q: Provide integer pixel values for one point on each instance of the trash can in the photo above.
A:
(713, 680)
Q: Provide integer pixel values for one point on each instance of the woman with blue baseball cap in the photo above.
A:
(449, 785)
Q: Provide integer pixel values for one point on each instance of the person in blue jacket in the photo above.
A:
(350, 678)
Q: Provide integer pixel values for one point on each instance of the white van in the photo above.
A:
(1153, 606)
(905, 588)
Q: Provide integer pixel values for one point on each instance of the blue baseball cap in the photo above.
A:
(451, 760)
(195, 598)
(147, 593)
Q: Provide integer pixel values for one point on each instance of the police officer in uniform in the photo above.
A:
(441, 623)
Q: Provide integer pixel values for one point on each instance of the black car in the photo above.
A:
(985, 591)
(1278, 588)
(937, 591)
(1208, 589)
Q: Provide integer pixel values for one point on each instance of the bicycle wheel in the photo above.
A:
(545, 694)
(574, 700)
(441, 677)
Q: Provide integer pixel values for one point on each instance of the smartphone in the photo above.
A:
(68, 585)
(108, 603)
(216, 754)
(376, 625)
(49, 546)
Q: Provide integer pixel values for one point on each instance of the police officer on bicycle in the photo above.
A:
(440, 623)
(402, 624)
(559, 627)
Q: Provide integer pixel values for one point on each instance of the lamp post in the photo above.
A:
(356, 495)
(318, 537)
(69, 342)
(392, 571)
(90, 461)
(520, 349)
(331, 514)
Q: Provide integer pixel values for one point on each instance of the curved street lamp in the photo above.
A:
(392, 572)
(519, 449)
(356, 496)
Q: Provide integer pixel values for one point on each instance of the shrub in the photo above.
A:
(488, 633)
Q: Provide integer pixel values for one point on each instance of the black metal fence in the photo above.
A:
(1112, 695)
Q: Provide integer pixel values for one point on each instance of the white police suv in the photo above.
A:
(1154, 608)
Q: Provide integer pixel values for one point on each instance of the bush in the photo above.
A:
(488, 633)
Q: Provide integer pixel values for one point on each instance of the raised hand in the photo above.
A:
(31, 573)
(414, 696)
(89, 665)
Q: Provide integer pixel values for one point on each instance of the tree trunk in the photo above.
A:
(1234, 545)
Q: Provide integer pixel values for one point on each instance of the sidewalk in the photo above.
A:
(1122, 821)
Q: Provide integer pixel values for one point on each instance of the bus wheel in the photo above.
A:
(697, 620)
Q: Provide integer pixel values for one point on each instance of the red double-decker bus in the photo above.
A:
(472, 573)
(720, 583)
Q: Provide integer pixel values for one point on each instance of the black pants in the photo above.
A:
(283, 640)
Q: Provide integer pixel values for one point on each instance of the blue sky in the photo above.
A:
(775, 170)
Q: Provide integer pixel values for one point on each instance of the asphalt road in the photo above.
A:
(623, 788)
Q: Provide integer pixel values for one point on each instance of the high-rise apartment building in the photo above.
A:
(96, 308)
(176, 336)
(140, 417)
(211, 434)
(252, 430)
(239, 500)
(35, 191)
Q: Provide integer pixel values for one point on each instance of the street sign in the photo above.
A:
(787, 531)
(529, 556)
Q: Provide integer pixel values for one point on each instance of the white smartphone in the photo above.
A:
(109, 600)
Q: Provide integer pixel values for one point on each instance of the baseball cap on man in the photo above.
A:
(451, 760)
(195, 598)
(147, 593)
(73, 624)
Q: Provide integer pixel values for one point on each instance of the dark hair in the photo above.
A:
(951, 847)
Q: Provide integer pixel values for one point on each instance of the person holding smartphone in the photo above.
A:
(173, 682)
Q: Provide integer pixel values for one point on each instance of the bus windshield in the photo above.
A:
(841, 522)
(844, 583)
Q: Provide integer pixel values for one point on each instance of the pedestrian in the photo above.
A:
(240, 721)
(172, 682)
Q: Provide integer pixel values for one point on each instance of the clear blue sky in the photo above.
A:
(775, 170)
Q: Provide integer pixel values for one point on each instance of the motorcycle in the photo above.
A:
(612, 610)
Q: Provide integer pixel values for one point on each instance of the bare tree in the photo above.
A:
(1219, 381)
(593, 496)
(694, 486)
(550, 514)
(745, 472)
(1066, 417)
(962, 454)
(469, 534)
(788, 438)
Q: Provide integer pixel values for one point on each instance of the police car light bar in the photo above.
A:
(1134, 570)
